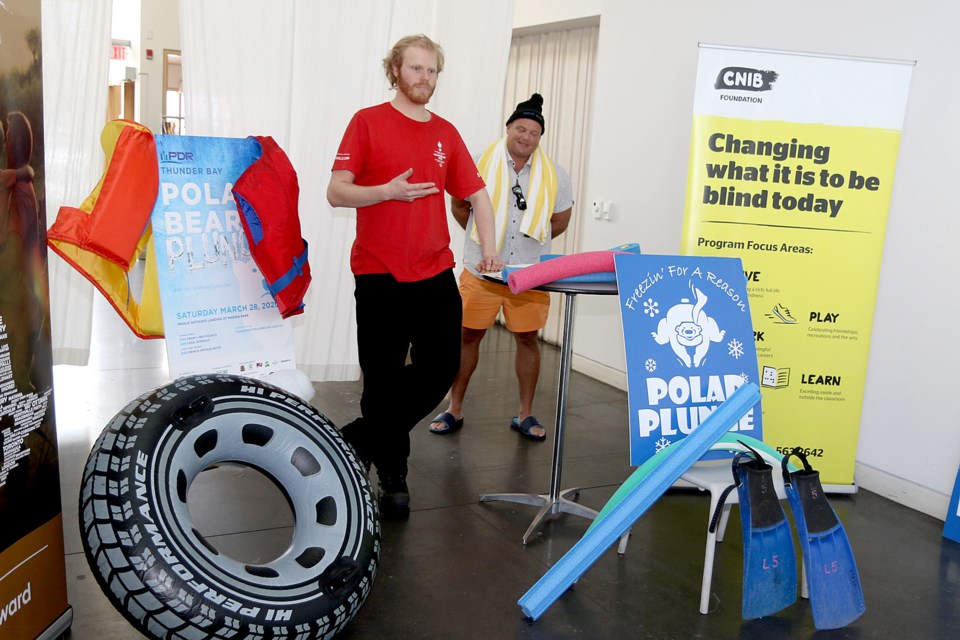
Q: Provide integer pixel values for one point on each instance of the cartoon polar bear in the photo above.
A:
(686, 325)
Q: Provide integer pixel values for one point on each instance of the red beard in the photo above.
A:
(416, 93)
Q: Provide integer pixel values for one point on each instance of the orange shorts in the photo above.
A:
(482, 301)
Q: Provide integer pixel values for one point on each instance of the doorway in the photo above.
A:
(173, 120)
(559, 65)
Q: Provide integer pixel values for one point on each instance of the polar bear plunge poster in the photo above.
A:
(689, 344)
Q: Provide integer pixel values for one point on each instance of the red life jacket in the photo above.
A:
(267, 196)
(103, 237)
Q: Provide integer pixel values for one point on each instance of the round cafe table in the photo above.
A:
(556, 501)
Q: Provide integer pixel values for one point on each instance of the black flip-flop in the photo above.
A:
(451, 424)
(524, 428)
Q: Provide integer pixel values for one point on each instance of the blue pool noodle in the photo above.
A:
(588, 549)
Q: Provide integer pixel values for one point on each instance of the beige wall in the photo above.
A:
(532, 14)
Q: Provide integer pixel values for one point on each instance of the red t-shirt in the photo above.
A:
(409, 240)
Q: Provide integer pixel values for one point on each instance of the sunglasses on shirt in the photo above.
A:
(521, 202)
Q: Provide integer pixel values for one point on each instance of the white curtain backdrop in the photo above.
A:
(297, 71)
(76, 42)
(559, 65)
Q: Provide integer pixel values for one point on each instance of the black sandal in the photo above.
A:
(524, 428)
(451, 424)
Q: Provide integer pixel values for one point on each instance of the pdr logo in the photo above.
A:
(745, 79)
(176, 157)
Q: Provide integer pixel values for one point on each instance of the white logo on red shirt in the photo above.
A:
(439, 154)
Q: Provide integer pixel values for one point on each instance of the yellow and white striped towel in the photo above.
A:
(541, 193)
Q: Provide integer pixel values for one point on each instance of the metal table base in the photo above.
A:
(556, 501)
(549, 505)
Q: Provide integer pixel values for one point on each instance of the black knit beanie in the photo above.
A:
(532, 109)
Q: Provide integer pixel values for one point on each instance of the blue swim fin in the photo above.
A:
(835, 593)
(769, 561)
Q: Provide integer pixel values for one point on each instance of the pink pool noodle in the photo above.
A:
(560, 268)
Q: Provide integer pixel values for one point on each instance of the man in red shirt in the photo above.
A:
(393, 165)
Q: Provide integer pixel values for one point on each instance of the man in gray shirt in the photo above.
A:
(532, 202)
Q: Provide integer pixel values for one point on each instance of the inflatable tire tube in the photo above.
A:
(161, 573)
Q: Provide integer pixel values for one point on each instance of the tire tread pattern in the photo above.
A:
(137, 574)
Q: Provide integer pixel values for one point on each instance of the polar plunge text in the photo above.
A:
(199, 238)
(691, 400)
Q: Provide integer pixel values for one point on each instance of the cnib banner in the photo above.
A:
(792, 160)
(689, 345)
(33, 590)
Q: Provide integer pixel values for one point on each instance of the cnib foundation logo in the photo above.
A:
(745, 79)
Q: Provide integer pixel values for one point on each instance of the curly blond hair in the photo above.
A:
(395, 56)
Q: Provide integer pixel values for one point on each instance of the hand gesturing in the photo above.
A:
(400, 189)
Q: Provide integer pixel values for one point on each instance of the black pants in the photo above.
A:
(393, 319)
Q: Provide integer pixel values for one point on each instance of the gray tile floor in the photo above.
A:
(457, 568)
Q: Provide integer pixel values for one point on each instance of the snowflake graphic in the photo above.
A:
(744, 376)
(650, 365)
(735, 348)
(651, 307)
(662, 444)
